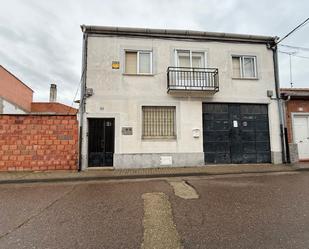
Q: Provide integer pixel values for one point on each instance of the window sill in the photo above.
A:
(137, 74)
(237, 78)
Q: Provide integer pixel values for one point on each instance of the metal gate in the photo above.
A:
(236, 133)
(101, 142)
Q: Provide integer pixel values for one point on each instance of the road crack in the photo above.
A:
(31, 217)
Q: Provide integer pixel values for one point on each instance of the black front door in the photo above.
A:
(101, 142)
(236, 133)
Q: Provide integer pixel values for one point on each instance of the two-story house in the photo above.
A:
(160, 98)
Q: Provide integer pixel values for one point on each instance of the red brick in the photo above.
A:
(35, 142)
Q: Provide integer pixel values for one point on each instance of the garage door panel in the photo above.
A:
(214, 136)
(210, 147)
(262, 146)
(217, 158)
(248, 125)
(262, 125)
(208, 125)
(249, 147)
(262, 136)
(239, 133)
(221, 116)
(236, 158)
(249, 158)
(210, 157)
(208, 116)
(248, 136)
(261, 117)
(247, 117)
(263, 158)
(210, 136)
(221, 125)
(219, 147)
(223, 147)
(215, 108)
(236, 148)
(223, 158)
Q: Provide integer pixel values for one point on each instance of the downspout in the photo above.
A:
(284, 103)
(277, 85)
(82, 105)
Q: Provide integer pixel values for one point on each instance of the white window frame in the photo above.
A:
(190, 51)
(241, 65)
(138, 52)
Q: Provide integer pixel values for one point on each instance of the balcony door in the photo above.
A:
(190, 59)
(190, 64)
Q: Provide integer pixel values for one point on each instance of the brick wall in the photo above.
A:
(298, 106)
(38, 142)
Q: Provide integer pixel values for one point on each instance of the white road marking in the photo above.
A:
(183, 190)
(159, 229)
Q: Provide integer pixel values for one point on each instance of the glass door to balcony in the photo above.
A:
(190, 64)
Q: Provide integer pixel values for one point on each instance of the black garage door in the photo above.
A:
(236, 133)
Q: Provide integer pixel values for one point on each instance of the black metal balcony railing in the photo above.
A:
(192, 79)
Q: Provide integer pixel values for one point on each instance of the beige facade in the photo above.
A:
(120, 96)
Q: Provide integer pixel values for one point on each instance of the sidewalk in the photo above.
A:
(110, 174)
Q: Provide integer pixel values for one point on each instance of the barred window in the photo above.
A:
(159, 121)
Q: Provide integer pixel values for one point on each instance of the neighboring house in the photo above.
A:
(15, 96)
(52, 108)
(35, 135)
(157, 98)
(297, 119)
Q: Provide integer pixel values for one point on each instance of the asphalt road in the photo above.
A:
(253, 211)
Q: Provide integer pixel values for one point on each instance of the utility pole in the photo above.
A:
(291, 78)
(290, 61)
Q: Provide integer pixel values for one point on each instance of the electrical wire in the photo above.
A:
(293, 30)
(77, 90)
(294, 47)
(293, 54)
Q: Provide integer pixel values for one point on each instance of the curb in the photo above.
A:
(138, 176)
(301, 169)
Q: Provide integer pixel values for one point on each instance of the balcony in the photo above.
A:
(190, 79)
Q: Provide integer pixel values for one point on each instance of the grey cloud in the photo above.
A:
(41, 40)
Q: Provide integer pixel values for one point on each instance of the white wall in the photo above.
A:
(121, 96)
(9, 108)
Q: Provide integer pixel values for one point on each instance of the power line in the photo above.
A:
(77, 90)
(300, 56)
(293, 30)
(294, 47)
(293, 54)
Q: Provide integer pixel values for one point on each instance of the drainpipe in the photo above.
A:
(282, 132)
(284, 103)
(82, 105)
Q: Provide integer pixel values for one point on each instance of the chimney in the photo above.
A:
(53, 93)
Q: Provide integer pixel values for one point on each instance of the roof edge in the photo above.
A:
(17, 78)
(176, 33)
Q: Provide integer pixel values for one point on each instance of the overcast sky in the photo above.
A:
(40, 41)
